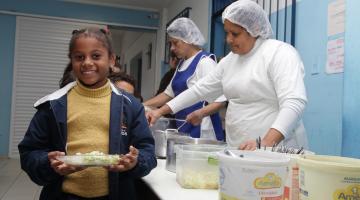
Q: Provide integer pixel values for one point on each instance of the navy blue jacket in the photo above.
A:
(48, 132)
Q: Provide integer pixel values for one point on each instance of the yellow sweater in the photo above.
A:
(88, 118)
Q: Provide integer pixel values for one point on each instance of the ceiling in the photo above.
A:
(151, 5)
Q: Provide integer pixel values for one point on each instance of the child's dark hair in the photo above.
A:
(67, 77)
(121, 76)
(100, 34)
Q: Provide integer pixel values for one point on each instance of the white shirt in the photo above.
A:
(265, 89)
(204, 67)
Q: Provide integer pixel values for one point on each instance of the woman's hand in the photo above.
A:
(272, 137)
(148, 108)
(248, 145)
(59, 166)
(195, 117)
(153, 116)
(126, 162)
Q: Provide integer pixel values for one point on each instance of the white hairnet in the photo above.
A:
(249, 15)
(186, 30)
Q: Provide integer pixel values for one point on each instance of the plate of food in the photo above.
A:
(92, 159)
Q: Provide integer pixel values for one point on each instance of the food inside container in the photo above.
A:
(197, 166)
(94, 159)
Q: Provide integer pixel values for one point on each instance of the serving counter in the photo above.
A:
(163, 184)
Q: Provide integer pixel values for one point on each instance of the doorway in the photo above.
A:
(136, 70)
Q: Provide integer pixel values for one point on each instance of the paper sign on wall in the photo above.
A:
(336, 17)
(335, 45)
(335, 56)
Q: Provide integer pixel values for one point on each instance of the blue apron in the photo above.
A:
(179, 84)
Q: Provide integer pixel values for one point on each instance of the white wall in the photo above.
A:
(128, 40)
(117, 40)
(160, 47)
(199, 13)
(133, 43)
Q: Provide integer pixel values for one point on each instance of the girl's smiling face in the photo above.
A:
(91, 61)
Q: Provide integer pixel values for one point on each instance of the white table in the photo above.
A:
(164, 184)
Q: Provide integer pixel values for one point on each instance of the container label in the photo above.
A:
(352, 192)
(272, 198)
(351, 180)
(295, 188)
(224, 196)
(269, 181)
(255, 182)
(292, 188)
(304, 192)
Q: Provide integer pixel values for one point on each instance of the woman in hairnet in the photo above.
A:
(186, 40)
(262, 79)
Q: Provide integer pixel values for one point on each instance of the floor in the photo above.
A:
(14, 183)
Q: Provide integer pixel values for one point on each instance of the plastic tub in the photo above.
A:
(174, 141)
(252, 175)
(197, 166)
(329, 177)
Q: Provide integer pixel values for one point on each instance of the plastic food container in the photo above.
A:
(90, 160)
(197, 166)
(252, 175)
(329, 177)
(174, 141)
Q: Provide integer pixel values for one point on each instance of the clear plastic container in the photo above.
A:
(90, 160)
(197, 166)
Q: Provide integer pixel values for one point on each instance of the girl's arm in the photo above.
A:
(35, 146)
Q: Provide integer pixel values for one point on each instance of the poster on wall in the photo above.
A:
(335, 45)
(335, 56)
(336, 17)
